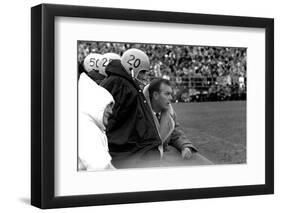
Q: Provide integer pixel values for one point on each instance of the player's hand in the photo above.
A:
(186, 153)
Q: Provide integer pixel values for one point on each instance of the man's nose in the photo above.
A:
(170, 97)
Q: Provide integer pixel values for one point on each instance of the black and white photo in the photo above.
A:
(140, 106)
(172, 105)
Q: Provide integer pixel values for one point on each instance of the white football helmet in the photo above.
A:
(91, 62)
(104, 61)
(134, 61)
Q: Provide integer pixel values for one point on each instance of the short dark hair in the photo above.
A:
(154, 86)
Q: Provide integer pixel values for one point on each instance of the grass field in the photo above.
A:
(217, 129)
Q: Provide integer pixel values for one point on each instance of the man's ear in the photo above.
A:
(155, 95)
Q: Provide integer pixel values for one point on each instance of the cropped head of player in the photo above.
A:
(105, 60)
(136, 63)
(91, 62)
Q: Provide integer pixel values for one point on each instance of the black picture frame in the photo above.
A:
(43, 105)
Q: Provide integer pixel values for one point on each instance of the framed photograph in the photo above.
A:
(135, 106)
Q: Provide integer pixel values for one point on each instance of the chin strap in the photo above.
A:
(132, 73)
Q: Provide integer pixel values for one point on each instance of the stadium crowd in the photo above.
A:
(197, 73)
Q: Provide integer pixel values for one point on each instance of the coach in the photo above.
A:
(175, 148)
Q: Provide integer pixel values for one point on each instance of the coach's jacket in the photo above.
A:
(168, 129)
(132, 133)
